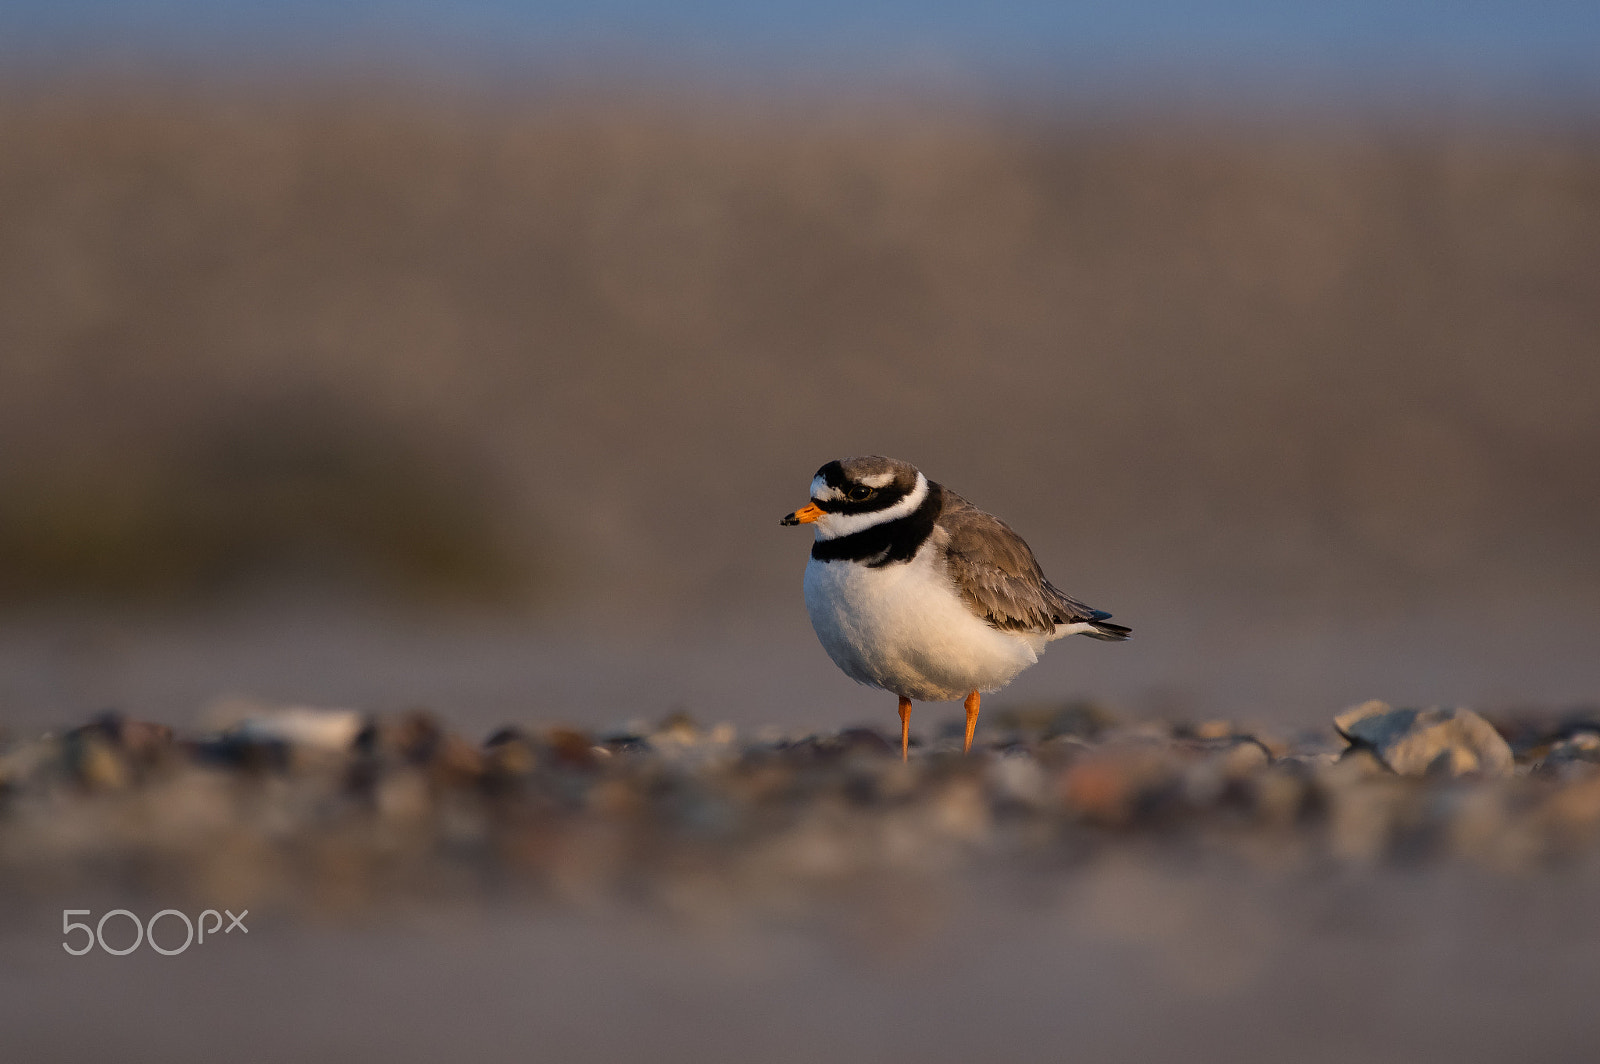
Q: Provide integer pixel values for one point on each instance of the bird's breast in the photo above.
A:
(905, 628)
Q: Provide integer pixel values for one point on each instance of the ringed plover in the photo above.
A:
(913, 589)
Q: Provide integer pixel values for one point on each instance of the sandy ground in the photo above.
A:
(1124, 963)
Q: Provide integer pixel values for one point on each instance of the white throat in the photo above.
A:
(832, 526)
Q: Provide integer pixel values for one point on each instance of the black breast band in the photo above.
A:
(886, 544)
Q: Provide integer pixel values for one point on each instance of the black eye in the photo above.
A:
(859, 493)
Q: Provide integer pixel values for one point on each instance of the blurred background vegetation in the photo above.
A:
(522, 335)
(393, 342)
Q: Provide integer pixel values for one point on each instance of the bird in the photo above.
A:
(914, 590)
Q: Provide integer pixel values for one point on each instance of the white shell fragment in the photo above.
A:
(1420, 742)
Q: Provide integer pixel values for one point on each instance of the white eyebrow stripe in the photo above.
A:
(878, 480)
(832, 526)
(821, 492)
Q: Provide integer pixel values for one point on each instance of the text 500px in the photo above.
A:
(146, 932)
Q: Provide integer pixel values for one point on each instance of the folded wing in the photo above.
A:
(1001, 581)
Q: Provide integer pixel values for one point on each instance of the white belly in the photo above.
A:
(905, 628)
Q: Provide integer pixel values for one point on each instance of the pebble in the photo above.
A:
(305, 728)
(1420, 742)
(331, 804)
(1575, 756)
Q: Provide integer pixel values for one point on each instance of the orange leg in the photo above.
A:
(972, 720)
(905, 728)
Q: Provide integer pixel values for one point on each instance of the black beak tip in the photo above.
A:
(789, 519)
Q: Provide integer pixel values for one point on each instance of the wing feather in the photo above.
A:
(998, 575)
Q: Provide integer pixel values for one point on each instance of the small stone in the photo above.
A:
(861, 741)
(1114, 786)
(1018, 779)
(626, 743)
(678, 726)
(1355, 764)
(508, 756)
(1420, 742)
(111, 750)
(1221, 769)
(331, 730)
(852, 744)
(1245, 758)
(456, 762)
(96, 761)
(1084, 720)
(1100, 790)
(417, 737)
(1576, 755)
(570, 748)
(141, 741)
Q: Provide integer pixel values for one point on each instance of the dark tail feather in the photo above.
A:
(1104, 629)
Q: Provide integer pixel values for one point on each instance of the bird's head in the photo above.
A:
(852, 494)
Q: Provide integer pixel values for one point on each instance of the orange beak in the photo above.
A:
(805, 515)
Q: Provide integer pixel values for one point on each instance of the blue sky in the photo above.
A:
(1540, 46)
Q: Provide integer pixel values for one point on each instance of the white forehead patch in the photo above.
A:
(878, 480)
(822, 493)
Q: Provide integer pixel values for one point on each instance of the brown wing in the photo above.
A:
(998, 576)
